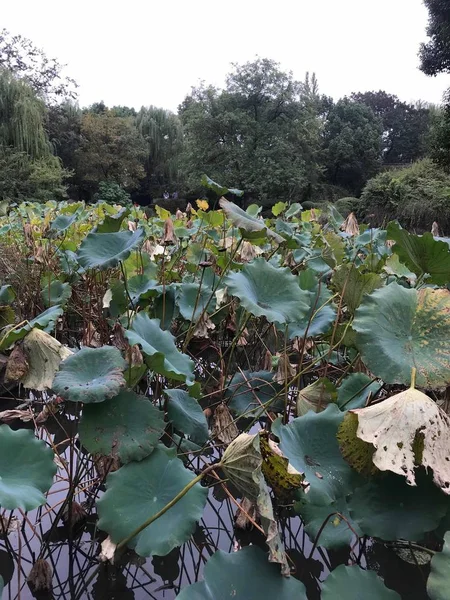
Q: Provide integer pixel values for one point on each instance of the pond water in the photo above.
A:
(78, 574)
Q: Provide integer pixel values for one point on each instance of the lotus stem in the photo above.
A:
(168, 506)
(413, 378)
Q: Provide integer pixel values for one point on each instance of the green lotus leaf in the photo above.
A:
(187, 415)
(393, 266)
(438, 584)
(127, 426)
(250, 393)
(355, 389)
(106, 250)
(91, 375)
(159, 347)
(44, 321)
(112, 222)
(55, 292)
(218, 189)
(193, 300)
(165, 308)
(7, 294)
(321, 313)
(26, 469)
(353, 583)
(248, 225)
(310, 444)
(243, 575)
(400, 328)
(141, 286)
(354, 285)
(422, 254)
(63, 222)
(314, 512)
(388, 508)
(139, 490)
(294, 209)
(268, 291)
(1, 586)
(7, 316)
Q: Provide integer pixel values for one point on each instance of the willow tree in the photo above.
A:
(28, 169)
(163, 135)
(22, 116)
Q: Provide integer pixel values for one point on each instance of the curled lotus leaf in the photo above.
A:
(106, 250)
(268, 291)
(227, 576)
(44, 355)
(26, 469)
(91, 375)
(246, 222)
(44, 321)
(245, 463)
(159, 347)
(408, 430)
(399, 329)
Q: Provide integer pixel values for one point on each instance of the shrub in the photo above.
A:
(112, 193)
(416, 196)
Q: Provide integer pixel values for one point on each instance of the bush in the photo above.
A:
(22, 178)
(416, 196)
(347, 205)
(112, 193)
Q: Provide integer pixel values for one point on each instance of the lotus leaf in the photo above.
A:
(388, 508)
(408, 430)
(354, 285)
(91, 375)
(127, 426)
(399, 329)
(353, 583)
(187, 415)
(55, 292)
(139, 490)
(424, 255)
(268, 291)
(106, 250)
(26, 469)
(159, 347)
(44, 355)
(310, 444)
(44, 321)
(247, 223)
(250, 394)
(227, 576)
(355, 389)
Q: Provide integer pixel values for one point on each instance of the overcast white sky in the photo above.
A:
(142, 52)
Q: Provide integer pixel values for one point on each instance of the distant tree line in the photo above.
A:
(264, 132)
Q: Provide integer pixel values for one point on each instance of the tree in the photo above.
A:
(353, 147)
(111, 149)
(405, 126)
(259, 134)
(28, 169)
(435, 54)
(22, 118)
(162, 132)
(25, 61)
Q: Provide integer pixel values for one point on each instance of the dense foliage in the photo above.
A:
(268, 360)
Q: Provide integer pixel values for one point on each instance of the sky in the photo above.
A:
(143, 52)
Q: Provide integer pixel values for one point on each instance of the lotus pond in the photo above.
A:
(213, 405)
